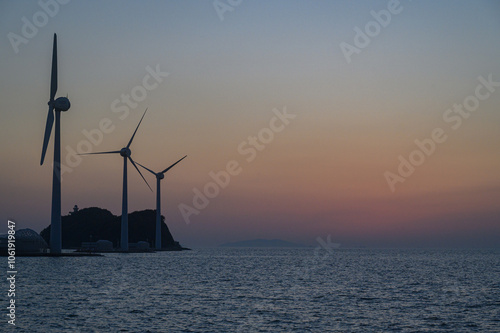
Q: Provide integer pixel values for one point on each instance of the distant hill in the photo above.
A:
(263, 243)
(93, 224)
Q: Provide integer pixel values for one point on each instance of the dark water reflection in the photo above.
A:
(262, 290)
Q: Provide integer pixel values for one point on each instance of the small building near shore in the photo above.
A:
(99, 246)
(26, 241)
(141, 245)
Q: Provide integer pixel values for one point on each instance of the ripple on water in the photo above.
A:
(245, 290)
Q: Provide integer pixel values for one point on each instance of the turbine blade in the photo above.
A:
(170, 167)
(53, 77)
(139, 171)
(103, 152)
(154, 173)
(48, 131)
(132, 138)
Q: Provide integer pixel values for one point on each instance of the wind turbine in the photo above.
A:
(55, 106)
(159, 177)
(125, 153)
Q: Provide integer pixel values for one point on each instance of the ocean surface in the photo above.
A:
(260, 290)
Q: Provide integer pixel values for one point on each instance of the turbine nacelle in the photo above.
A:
(61, 104)
(125, 152)
(161, 175)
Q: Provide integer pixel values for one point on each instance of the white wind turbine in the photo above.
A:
(55, 106)
(159, 176)
(125, 153)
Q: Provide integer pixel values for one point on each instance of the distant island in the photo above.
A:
(263, 243)
(94, 224)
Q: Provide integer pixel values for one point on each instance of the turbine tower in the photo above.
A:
(55, 106)
(159, 177)
(125, 153)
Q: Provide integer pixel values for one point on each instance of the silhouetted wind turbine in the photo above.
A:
(159, 177)
(125, 153)
(55, 106)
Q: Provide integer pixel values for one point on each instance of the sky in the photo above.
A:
(376, 123)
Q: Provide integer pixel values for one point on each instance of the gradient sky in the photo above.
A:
(322, 175)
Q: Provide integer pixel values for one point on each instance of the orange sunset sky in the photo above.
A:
(359, 102)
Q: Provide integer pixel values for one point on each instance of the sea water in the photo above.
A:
(261, 290)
